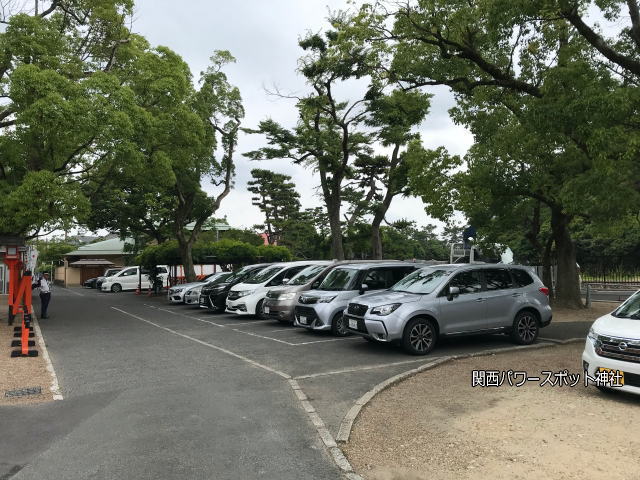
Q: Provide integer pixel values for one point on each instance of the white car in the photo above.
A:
(613, 346)
(177, 292)
(247, 298)
(130, 277)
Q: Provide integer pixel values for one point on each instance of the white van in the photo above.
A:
(128, 278)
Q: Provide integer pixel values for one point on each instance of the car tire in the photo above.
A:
(525, 328)
(116, 288)
(338, 326)
(420, 336)
(260, 310)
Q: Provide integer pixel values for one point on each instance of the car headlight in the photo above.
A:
(287, 296)
(245, 293)
(385, 309)
(326, 299)
(592, 335)
(177, 289)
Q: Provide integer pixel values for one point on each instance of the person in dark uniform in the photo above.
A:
(44, 287)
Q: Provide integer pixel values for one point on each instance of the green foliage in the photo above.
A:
(51, 251)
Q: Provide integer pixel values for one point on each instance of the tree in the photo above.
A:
(64, 111)
(549, 105)
(276, 197)
(336, 136)
(158, 193)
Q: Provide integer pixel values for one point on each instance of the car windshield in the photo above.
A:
(221, 278)
(264, 275)
(306, 275)
(630, 308)
(111, 272)
(421, 281)
(339, 279)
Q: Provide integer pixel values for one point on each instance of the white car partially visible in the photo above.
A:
(613, 346)
(176, 293)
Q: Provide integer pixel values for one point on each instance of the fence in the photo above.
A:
(623, 270)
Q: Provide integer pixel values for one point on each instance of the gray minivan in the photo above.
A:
(322, 308)
(453, 300)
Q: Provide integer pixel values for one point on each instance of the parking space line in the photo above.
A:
(328, 340)
(201, 342)
(183, 315)
(358, 369)
(262, 336)
(233, 324)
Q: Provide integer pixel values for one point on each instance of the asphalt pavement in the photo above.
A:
(160, 391)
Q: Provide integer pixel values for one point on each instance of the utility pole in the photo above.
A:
(36, 7)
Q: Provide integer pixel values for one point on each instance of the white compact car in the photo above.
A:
(130, 277)
(247, 298)
(613, 345)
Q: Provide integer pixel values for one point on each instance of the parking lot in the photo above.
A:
(167, 391)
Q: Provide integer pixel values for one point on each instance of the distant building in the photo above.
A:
(90, 261)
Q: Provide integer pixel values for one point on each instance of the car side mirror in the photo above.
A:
(363, 288)
(285, 281)
(453, 292)
(315, 285)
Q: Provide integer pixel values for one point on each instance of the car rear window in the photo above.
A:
(521, 278)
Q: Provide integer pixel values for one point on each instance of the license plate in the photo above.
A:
(266, 310)
(303, 320)
(353, 324)
(612, 371)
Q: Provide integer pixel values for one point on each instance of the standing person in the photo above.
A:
(45, 294)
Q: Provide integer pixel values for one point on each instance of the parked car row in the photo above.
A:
(413, 304)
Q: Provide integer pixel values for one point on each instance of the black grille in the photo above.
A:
(632, 379)
(307, 300)
(357, 309)
(308, 312)
(619, 349)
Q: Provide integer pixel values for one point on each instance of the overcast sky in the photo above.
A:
(263, 36)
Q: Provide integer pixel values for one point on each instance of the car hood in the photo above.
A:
(609, 325)
(241, 287)
(324, 293)
(382, 298)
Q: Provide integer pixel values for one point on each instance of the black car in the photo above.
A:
(214, 294)
(90, 282)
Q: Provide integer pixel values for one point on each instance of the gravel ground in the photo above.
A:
(23, 372)
(597, 309)
(437, 426)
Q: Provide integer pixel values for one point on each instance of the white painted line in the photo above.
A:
(262, 336)
(234, 324)
(70, 291)
(358, 369)
(328, 340)
(55, 387)
(290, 329)
(185, 316)
(215, 347)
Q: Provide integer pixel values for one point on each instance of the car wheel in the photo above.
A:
(525, 328)
(420, 336)
(116, 287)
(339, 326)
(260, 310)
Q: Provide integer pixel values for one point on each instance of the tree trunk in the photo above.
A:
(186, 246)
(547, 277)
(567, 292)
(376, 242)
(337, 248)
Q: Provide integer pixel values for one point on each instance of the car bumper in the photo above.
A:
(176, 297)
(592, 362)
(278, 310)
(374, 329)
(314, 317)
(192, 299)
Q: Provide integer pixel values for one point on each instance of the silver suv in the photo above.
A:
(453, 300)
(322, 308)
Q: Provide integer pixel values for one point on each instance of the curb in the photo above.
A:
(346, 425)
(55, 387)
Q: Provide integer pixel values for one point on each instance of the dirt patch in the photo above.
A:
(23, 372)
(436, 425)
(596, 310)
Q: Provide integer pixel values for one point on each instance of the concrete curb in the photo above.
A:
(349, 419)
(55, 387)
